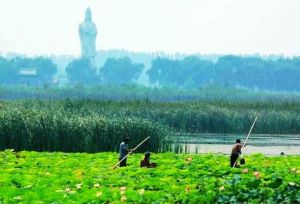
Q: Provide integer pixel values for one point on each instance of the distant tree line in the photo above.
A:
(193, 72)
(233, 71)
(253, 73)
(115, 71)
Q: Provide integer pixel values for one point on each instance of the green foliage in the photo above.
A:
(92, 126)
(69, 129)
(31, 177)
(232, 71)
(80, 72)
(44, 66)
(189, 72)
(9, 69)
(8, 72)
(120, 71)
(137, 92)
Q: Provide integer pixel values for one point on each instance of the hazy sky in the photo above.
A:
(203, 26)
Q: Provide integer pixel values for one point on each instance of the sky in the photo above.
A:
(45, 27)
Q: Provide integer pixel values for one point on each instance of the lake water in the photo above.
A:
(222, 143)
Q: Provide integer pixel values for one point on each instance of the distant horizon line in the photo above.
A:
(4, 54)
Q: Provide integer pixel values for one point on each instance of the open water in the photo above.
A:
(222, 143)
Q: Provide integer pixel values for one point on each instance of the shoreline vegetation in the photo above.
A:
(86, 125)
(134, 92)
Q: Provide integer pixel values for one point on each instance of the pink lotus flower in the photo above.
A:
(245, 171)
(123, 188)
(256, 174)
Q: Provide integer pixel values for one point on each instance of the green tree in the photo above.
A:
(120, 71)
(167, 72)
(45, 68)
(8, 72)
(80, 71)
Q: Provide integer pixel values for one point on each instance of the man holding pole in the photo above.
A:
(123, 152)
(237, 148)
(236, 151)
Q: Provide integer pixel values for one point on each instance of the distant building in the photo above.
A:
(88, 33)
(30, 77)
(28, 72)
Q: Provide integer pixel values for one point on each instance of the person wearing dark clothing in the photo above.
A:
(146, 161)
(242, 161)
(123, 151)
(236, 151)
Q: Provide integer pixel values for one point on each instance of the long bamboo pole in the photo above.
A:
(131, 152)
(249, 133)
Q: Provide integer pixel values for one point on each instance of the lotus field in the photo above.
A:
(32, 177)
